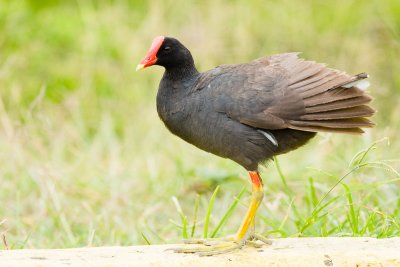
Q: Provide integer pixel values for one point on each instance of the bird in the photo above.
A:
(251, 112)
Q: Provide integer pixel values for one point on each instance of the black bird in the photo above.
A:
(250, 112)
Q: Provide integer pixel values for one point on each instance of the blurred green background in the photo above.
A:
(84, 159)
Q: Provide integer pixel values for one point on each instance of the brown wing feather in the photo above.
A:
(329, 130)
(353, 112)
(326, 103)
(338, 104)
(335, 123)
(264, 120)
(332, 96)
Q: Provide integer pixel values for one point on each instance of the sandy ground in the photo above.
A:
(283, 252)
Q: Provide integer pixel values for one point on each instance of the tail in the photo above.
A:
(340, 107)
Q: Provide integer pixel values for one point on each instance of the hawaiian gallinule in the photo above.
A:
(250, 112)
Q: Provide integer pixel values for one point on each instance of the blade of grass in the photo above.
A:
(182, 216)
(383, 166)
(287, 188)
(370, 221)
(313, 194)
(316, 210)
(196, 209)
(314, 215)
(229, 212)
(281, 232)
(280, 228)
(22, 244)
(361, 155)
(184, 229)
(282, 176)
(208, 215)
(155, 233)
(145, 239)
(353, 214)
(3, 237)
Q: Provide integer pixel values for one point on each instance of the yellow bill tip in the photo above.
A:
(139, 67)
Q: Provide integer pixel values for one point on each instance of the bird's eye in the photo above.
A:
(167, 49)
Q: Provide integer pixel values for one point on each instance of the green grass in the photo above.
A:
(84, 159)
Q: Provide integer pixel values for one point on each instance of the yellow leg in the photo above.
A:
(256, 198)
(244, 236)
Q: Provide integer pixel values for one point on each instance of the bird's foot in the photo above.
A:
(215, 246)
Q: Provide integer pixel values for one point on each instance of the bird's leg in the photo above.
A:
(244, 236)
(246, 230)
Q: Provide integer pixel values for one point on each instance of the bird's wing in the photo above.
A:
(285, 91)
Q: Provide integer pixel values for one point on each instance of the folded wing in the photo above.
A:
(285, 91)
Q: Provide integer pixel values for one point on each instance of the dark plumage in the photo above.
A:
(223, 110)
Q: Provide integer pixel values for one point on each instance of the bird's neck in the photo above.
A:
(182, 72)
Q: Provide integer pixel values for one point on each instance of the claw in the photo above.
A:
(262, 239)
(193, 241)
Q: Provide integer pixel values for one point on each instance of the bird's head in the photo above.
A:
(167, 52)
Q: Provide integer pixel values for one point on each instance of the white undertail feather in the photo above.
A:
(269, 136)
(362, 85)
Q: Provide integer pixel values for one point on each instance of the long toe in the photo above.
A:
(194, 241)
(210, 247)
(210, 241)
(215, 246)
(261, 238)
(216, 250)
(254, 244)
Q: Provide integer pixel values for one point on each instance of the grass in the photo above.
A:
(86, 161)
